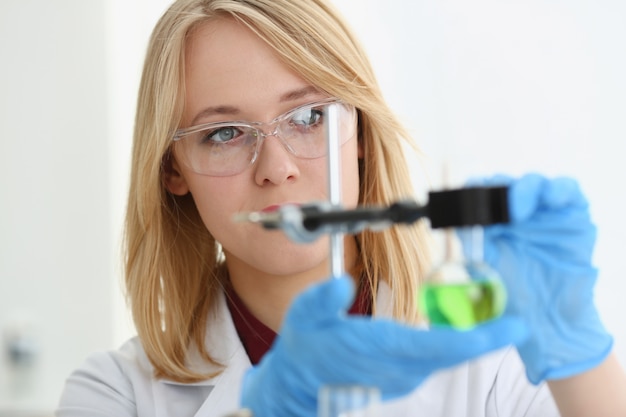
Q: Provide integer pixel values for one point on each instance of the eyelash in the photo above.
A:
(207, 138)
(302, 123)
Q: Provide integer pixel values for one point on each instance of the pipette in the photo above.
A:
(467, 206)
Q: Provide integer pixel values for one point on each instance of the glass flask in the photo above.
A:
(462, 292)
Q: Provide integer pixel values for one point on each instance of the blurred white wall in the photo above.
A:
(492, 86)
(69, 71)
(55, 248)
(487, 86)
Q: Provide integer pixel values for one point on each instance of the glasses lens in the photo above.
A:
(219, 150)
(304, 129)
(223, 149)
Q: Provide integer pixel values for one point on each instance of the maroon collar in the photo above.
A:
(257, 338)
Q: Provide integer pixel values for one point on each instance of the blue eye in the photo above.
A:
(221, 135)
(307, 117)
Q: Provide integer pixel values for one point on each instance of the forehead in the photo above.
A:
(226, 64)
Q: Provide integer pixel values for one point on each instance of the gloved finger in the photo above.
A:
(570, 218)
(448, 345)
(565, 228)
(564, 234)
(563, 192)
(525, 196)
(321, 303)
(407, 356)
(534, 193)
(397, 357)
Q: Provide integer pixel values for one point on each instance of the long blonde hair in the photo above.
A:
(172, 268)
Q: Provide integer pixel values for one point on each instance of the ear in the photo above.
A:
(173, 178)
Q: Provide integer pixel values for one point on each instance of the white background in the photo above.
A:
(485, 86)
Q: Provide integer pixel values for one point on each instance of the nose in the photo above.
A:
(275, 164)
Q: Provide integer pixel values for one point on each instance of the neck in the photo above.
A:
(268, 296)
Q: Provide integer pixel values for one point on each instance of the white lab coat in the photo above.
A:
(120, 383)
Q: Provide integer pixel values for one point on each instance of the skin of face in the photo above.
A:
(236, 76)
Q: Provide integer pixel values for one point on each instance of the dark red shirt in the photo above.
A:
(257, 338)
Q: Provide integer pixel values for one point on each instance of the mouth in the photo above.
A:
(269, 217)
(269, 209)
(276, 207)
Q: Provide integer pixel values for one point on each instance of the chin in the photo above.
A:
(293, 259)
(274, 254)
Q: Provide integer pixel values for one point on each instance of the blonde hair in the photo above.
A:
(172, 268)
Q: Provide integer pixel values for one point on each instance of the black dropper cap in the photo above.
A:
(468, 206)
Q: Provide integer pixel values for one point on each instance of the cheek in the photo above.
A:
(216, 200)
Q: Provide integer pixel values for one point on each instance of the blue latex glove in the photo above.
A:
(319, 344)
(544, 258)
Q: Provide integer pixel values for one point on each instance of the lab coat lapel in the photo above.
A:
(224, 397)
(224, 345)
(218, 396)
(223, 342)
(384, 300)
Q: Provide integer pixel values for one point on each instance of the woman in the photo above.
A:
(226, 90)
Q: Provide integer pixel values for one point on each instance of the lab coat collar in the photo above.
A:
(384, 301)
(223, 342)
(227, 349)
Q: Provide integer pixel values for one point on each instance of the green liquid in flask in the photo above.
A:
(462, 305)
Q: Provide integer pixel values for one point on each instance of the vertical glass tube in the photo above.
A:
(475, 242)
(334, 185)
(341, 400)
(348, 401)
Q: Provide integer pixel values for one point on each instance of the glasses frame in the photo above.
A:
(260, 129)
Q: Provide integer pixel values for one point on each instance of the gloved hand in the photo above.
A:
(544, 258)
(319, 344)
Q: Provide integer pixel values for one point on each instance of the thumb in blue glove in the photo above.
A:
(319, 344)
(544, 258)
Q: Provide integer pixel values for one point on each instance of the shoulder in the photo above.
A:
(121, 382)
(103, 384)
(127, 362)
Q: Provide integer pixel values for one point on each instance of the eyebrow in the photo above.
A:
(210, 111)
(299, 93)
(232, 110)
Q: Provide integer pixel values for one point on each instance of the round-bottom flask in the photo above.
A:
(462, 293)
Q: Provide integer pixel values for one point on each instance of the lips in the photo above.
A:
(275, 207)
(270, 209)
